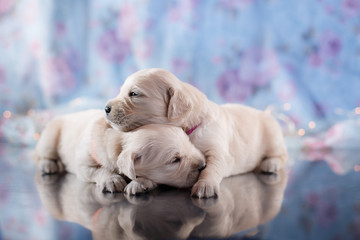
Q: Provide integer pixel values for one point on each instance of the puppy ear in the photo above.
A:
(125, 164)
(178, 106)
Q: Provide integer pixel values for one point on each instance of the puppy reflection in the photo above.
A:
(246, 202)
(66, 198)
(164, 214)
(169, 214)
(85, 144)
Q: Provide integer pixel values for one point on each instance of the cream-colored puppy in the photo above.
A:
(234, 138)
(85, 144)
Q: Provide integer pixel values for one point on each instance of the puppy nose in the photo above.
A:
(107, 109)
(202, 167)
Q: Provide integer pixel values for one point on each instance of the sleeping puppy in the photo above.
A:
(234, 138)
(85, 144)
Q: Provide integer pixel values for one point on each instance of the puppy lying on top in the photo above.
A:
(85, 144)
(234, 138)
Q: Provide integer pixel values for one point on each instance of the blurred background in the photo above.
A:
(302, 58)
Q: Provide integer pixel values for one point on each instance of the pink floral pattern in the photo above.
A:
(112, 48)
(256, 69)
(234, 51)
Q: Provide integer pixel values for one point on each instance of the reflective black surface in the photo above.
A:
(310, 200)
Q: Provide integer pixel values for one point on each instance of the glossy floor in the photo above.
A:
(311, 200)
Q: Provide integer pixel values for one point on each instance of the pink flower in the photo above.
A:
(40, 217)
(62, 70)
(329, 48)
(4, 194)
(257, 68)
(62, 75)
(315, 59)
(231, 88)
(128, 22)
(351, 7)
(144, 49)
(330, 45)
(174, 14)
(5, 6)
(288, 90)
(236, 4)
(181, 9)
(112, 48)
(179, 65)
(60, 29)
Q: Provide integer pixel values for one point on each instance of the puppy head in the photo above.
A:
(161, 153)
(151, 96)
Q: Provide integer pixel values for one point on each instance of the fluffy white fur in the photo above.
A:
(85, 144)
(234, 138)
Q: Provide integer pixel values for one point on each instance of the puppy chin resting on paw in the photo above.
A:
(85, 144)
(234, 138)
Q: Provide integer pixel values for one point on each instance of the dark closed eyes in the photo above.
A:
(176, 160)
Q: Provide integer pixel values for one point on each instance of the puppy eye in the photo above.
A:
(176, 160)
(133, 94)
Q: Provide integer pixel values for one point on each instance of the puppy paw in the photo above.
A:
(112, 184)
(270, 165)
(205, 189)
(139, 186)
(51, 166)
(139, 199)
(272, 178)
(205, 203)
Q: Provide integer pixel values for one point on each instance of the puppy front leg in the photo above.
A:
(50, 166)
(140, 185)
(271, 165)
(90, 171)
(106, 180)
(208, 184)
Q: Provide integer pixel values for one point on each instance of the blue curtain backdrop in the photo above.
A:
(302, 57)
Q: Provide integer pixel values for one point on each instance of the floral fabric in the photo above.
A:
(302, 57)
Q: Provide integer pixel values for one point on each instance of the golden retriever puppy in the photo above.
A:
(85, 144)
(234, 138)
(67, 198)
